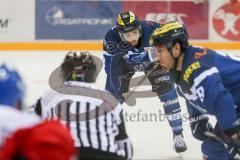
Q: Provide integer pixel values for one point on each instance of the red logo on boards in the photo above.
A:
(226, 21)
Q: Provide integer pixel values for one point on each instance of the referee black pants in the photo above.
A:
(94, 154)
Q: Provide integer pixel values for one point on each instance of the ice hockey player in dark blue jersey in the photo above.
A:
(125, 53)
(210, 83)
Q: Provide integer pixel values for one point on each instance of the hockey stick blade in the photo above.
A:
(141, 81)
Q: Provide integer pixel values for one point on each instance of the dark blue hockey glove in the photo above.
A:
(199, 127)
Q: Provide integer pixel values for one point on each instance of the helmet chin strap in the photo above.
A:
(121, 36)
(169, 48)
(175, 74)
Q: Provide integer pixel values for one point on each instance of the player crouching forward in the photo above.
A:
(99, 134)
(210, 83)
(125, 53)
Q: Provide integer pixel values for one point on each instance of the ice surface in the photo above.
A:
(151, 137)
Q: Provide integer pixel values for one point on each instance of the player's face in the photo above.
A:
(132, 37)
(164, 57)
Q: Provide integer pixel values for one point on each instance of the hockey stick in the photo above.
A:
(141, 81)
(227, 145)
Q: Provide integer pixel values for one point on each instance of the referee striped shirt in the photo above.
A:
(98, 133)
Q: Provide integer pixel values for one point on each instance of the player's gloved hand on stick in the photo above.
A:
(234, 152)
(199, 127)
(121, 99)
(151, 65)
(132, 57)
(233, 137)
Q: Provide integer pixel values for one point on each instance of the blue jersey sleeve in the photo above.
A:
(114, 82)
(193, 112)
(113, 53)
(113, 43)
(208, 91)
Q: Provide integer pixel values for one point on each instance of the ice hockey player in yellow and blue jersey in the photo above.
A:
(125, 52)
(210, 83)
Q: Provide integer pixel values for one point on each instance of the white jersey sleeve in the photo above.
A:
(12, 120)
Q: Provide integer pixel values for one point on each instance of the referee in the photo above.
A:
(95, 121)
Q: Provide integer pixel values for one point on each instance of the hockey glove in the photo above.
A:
(199, 127)
(132, 57)
(231, 138)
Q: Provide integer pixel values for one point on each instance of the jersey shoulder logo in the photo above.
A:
(198, 55)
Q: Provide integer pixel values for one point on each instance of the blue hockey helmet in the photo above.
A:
(11, 86)
(169, 34)
(127, 22)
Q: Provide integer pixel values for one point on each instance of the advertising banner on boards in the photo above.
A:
(226, 21)
(75, 20)
(89, 20)
(195, 16)
(17, 21)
